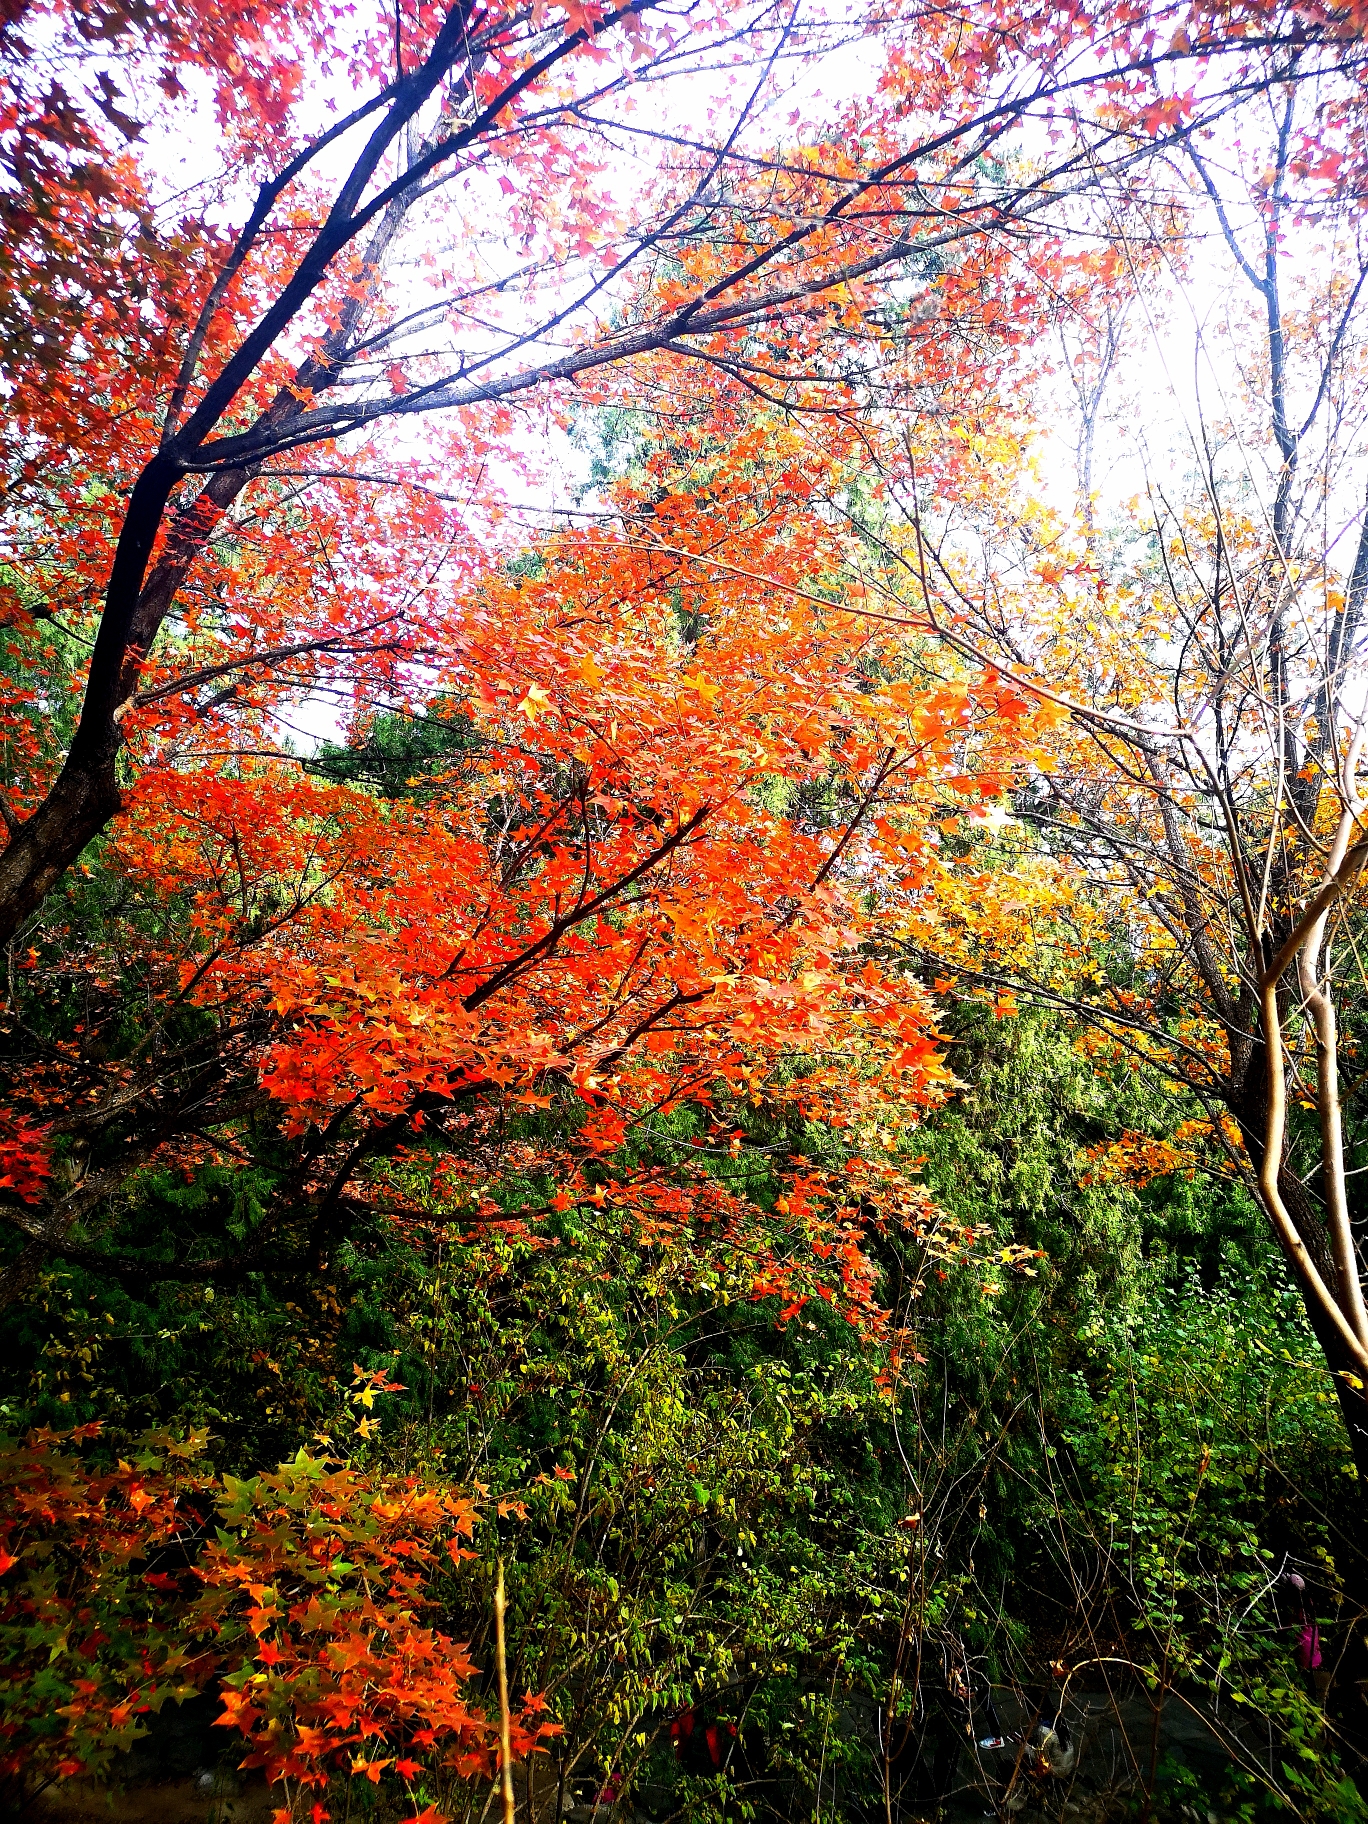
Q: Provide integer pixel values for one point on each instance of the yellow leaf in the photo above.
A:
(700, 682)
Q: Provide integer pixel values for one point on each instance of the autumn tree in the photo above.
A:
(194, 552)
(209, 355)
(1191, 889)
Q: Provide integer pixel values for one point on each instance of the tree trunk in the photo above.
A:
(84, 797)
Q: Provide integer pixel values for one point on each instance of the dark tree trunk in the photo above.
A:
(83, 799)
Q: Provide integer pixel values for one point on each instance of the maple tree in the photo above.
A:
(302, 1611)
(216, 354)
(159, 509)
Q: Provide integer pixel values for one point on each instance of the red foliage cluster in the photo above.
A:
(299, 1596)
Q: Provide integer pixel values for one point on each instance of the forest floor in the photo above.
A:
(1116, 1738)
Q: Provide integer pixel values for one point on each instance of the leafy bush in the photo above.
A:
(297, 1596)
